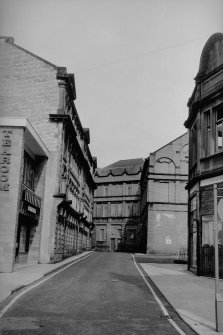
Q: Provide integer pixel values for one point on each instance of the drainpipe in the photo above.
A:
(218, 297)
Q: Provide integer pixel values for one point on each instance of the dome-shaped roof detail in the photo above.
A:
(212, 55)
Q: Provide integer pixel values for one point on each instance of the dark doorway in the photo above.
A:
(112, 244)
(23, 239)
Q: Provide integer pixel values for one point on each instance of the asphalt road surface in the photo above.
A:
(102, 294)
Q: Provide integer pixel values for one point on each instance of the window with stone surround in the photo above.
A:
(119, 209)
(218, 127)
(207, 133)
(193, 145)
(104, 209)
(212, 130)
(113, 209)
(102, 234)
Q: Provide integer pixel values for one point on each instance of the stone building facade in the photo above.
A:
(164, 199)
(117, 206)
(47, 171)
(205, 121)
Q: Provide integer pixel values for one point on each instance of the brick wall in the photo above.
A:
(29, 89)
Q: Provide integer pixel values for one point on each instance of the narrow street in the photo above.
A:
(103, 294)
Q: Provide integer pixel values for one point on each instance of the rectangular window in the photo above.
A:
(28, 171)
(98, 210)
(218, 128)
(102, 235)
(130, 234)
(119, 233)
(207, 133)
(129, 207)
(106, 190)
(193, 144)
(161, 191)
(114, 209)
(129, 189)
(207, 230)
(120, 190)
(104, 210)
(120, 209)
(135, 208)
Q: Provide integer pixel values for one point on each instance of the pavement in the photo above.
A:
(191, 296)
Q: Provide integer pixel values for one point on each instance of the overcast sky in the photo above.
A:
(134, 62)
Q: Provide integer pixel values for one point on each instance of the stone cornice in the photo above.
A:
(203, 176)
(195, 105)
(111, 173)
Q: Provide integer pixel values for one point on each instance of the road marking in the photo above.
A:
(4, 310)
(164, 310)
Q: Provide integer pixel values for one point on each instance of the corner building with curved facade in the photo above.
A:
(205, 124)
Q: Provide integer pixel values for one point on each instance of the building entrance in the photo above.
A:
(112, 244)
(23, 239)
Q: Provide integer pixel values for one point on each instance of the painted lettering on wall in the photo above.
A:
(5, 159)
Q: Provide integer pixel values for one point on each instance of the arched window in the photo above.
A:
(164, 165)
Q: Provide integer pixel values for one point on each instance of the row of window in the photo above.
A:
(116, 209)
(101, 233)
(211, 134)
(164, 191)
(117, 189)
(213, 130)
(129, 234)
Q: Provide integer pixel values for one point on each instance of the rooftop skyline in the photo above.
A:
(133, 61)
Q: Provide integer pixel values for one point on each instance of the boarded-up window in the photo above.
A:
(120, 209)
(101, 233)
(105, 190)
(129, 189)
(135, 208)
(129, 209)
(113, 190)
(120, 189)
(113, 209)
(161, 191)
(98, 210)
(119, 233)
(104, 210)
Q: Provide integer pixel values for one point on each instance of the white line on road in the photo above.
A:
(165, 312)
(4, 310)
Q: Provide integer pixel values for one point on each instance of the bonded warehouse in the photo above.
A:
(117, 206)
(164, 199)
